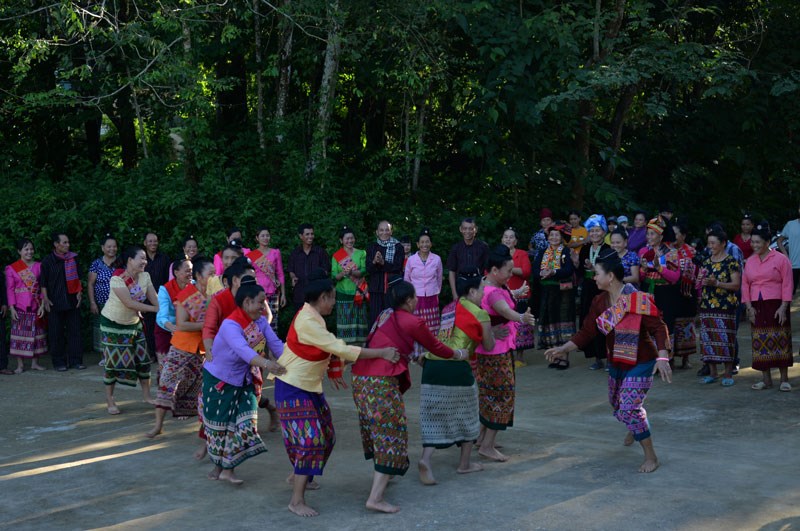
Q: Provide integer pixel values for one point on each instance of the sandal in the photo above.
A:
(708, 380)
(785, 387)
(727, 382)
(113, 410)
(760, 386)
(560, 365)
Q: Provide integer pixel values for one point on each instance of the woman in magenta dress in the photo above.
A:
(518, 284)
(28, 335)
(495, 368)
(269, 273)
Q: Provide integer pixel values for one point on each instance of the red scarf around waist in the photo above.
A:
(307, 352)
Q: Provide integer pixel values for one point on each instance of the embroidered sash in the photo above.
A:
(194, 302)
(136, 291)
(552, 258)
(27, 276)
(226, 302)
(70, 272)
(264, 264)
(362, 289)
(307, 352)
(625, 319)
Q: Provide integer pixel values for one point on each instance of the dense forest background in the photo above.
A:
(190, 116)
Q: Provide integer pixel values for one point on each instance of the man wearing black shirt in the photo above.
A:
(468, 254)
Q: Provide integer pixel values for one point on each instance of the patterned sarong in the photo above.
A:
(382, 418)
(307, 428)
(125, 352)
(495, 376)
(428, 310)
(448, 408)
(717, 336)
(180, 382)
(230, 416)
(685, 337)
(28, 336)
(351, 319)
(772, 343)
(556, 315)
(627, 389)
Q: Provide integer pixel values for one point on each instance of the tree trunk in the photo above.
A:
(286, 28)
(121, 115)
(262, 143)
(423, 105)
(327, 89)
(189, 159)
(232, 102)
(623, 105)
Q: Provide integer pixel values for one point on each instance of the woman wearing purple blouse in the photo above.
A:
(230, 406)
(637, 236)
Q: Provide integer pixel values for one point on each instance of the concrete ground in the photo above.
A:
(729, 460)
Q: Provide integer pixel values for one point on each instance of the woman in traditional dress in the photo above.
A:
(167, 294)
(685, 333)
(28, 335)
(637, 342)
(230, 406)
(269, 273)
(629, 259)
(378, 389)
(181, 375)
(767, 294)
(661, 273)
(557, 310)
(597, 227)
(425, 272)
(518, 284)
(742, 240)
(124, 347)
(495, 367)
(718, 283)
(385, 257)
(190, 249)
(448, 407)
(100, 273)
(306, 421)
(230, 253)
(348, 269)
(234, 235)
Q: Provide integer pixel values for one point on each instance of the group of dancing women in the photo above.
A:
(215, 334)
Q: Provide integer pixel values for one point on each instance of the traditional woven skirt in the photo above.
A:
(230, 416)
(685, 337)
(495, 376)
(772, 343)
(125, 353)
(448, 407)
(274, 306)
(526, 334)
(163, 339)
(28, 336)
(717, 336)
(382, 419)
(97, 336)
(180, 382)
(307, 428)
(627, 389)
(351, 319)
(428, 310)
(557, 316)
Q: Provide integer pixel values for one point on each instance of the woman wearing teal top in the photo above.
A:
(348, 267)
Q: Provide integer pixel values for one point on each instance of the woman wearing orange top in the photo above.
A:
(518, 284)
(181, 378)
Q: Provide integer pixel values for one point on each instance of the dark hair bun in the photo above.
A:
(247, 280)
(501, 251)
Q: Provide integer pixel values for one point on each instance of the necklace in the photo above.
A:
(593, 254)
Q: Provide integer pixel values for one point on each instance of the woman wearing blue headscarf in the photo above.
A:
(596, 249)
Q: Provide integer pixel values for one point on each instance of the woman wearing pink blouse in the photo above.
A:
(767, 294)
(269, 273)
(28, 336)
(424, 271)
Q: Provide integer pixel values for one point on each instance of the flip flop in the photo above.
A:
(708, 380)
(113, 410)
(786, 387)
(727, 382)
(760, 386)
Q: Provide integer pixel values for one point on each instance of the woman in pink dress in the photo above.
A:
(495, 368)
(269, 273)
(28, 335)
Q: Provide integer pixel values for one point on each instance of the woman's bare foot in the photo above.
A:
(473, 467)
(214, 474)
(201, 453)
(36, 367)
(628, 439)
(113, 409)
(310, 485)
(18, 370)
(649, 465)
(152, 433)
(301, 509)
(228, 475)
(426, 474)
(382, 506)
(274, 420)
(182, 417)
(149, 400)
(493, 454)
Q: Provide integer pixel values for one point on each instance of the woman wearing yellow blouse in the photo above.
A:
(124, 347)
(309, 353)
